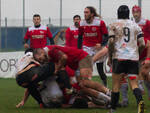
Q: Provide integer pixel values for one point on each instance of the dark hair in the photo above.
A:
(28, 50)
(123, 12)
(36, 15)
(76, 16)
(93, 10)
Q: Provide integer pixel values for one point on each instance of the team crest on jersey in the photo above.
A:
(41, 32)
(93, 28)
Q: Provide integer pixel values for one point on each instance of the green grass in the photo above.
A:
(11, 94)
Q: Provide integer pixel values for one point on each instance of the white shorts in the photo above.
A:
(92, 51)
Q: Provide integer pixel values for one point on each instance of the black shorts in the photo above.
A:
(42, 73)
(125, 66)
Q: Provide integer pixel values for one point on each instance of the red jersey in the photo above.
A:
(145, 26)
(38, 36)
(92, 33)
(74, 55)
(72, 36)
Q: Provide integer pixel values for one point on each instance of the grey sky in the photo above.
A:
(12, 9)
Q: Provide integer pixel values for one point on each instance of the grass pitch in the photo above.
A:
(11, 94)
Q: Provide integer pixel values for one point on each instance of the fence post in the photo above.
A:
(0, 29)
(5, 32)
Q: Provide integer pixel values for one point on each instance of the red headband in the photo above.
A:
(136, 8)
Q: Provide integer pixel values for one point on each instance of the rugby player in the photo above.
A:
(37, 34)
(29, 73)
(72, 32)
(62, 56)
(124, 35)
(94, 34)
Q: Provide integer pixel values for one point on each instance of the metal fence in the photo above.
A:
(12, 30)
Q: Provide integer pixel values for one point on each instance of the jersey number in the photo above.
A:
(126, 32)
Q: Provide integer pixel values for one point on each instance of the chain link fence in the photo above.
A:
(12, 30)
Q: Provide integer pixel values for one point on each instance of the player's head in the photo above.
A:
(76, 20)
(36, 19)
(28, 50)
(136, 11)
(40, 55)
(123, 12)
(89, 13)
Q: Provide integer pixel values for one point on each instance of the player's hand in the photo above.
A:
(109, 63)
(146, 62)
(98, 46)
(26, 46)
(20, 104)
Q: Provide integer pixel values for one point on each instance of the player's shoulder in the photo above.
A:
(72, 28)
(83, 22)
(43, 27)
(96, 22)
(31, 28)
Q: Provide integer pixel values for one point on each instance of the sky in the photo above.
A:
(13, 9)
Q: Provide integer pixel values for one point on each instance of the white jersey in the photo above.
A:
(126, 34)
(24, 61)
(52, 92)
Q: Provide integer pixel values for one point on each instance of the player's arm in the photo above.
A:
(100, 54)
(147, 60)
(80, 37)
(25, 98)
(68, 37)
(111, 47)
(50, 37)
(105, 34)
(25, 40)
(141, 43)
(111, 42)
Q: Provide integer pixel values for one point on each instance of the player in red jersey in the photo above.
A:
(95, 36)
(37, 34)
(143, 23)
(62, 56)
(72, 33)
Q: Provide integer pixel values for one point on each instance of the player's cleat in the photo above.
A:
(141, 107)
(112, 111)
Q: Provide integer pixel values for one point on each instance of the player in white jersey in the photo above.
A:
(51, 94)
(30, 72)
(124, 52)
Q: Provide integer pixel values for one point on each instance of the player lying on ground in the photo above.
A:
(30, 73)
(63, 56)
(51, 95)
